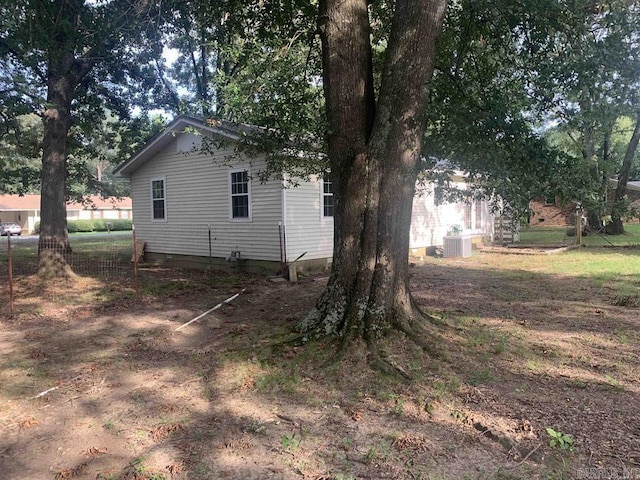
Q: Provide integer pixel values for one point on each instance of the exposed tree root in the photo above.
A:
(53, 266)
(412, 323)
(389, 368)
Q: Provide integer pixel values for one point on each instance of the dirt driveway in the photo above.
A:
(97, 385)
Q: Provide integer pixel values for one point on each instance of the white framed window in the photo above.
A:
(240, 195)
(326, 195)
(159, 199)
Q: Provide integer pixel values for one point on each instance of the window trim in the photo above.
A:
(323, 195)
(163, 179)
(249, 218)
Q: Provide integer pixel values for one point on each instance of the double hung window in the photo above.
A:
(158, 199)
(240, 195)
(327, 198)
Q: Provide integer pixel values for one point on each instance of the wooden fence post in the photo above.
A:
(578, 225)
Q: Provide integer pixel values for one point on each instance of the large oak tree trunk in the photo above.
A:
(619, 202)
(64, 73)
(374, 150)
(54, 242)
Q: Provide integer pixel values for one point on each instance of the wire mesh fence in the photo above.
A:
(102, 256)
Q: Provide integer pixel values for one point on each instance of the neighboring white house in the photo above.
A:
(200, 204)
(25, 209)
(432, 221)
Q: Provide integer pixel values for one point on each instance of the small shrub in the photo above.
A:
(84, 226)
(120, 224)
(99, 225)
(95, 225)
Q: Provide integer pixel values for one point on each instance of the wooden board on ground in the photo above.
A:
(139, 251)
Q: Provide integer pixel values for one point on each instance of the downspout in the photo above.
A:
(284, 220)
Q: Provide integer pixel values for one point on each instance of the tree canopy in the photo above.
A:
(587, 87)
(74, 64)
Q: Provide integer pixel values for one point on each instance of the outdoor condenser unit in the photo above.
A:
(457, 246)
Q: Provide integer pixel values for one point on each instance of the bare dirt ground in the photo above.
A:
(97, 385)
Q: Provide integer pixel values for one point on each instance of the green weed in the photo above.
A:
(290, 442)
(560, 440)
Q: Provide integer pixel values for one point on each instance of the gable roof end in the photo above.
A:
(232, 131)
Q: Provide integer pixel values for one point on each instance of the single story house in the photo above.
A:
(550, 212)
(25, 209)
(206, 204)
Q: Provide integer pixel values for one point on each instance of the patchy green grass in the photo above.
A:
(558, 236)
(545, 236)
(631, 237)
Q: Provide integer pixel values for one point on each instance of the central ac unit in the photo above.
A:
(457, 246)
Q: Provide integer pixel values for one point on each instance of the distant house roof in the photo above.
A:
(32, 202)
(230, 130)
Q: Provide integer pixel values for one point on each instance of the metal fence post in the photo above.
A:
(210, 250)
(10, 266)
(135, 264)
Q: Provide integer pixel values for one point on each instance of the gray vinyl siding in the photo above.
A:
(306, 231)
(198, 202)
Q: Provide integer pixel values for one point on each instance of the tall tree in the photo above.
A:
(480, 113)
(71, 56)
(255, 63)
(197, 32)
(619, 201)
(374, 148)
(588, 81)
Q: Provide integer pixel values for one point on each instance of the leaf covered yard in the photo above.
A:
(534, 373)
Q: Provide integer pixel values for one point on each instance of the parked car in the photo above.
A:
(10, 229)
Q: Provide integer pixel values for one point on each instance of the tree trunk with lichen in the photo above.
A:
(374, 153)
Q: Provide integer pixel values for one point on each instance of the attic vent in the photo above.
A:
(189, 142)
